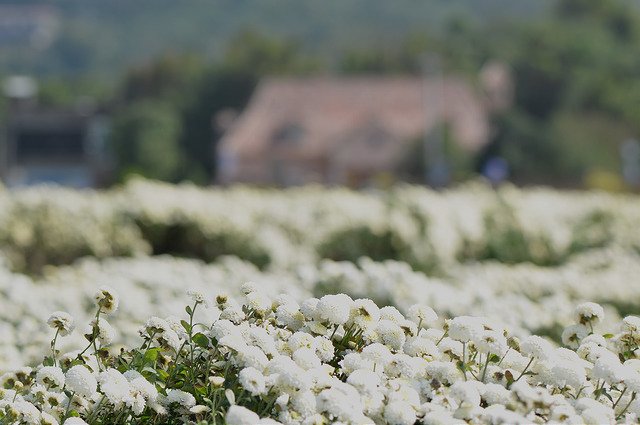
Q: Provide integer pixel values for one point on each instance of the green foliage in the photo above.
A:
(145, 138)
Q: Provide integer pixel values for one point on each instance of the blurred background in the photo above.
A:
(362, 93)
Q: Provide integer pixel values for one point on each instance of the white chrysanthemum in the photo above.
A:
(155, 325)
(139, 385)
(444, 372)
(197, 296)
(421, 347)
(74, 421)
(289, 315)
(50, 376)
(181, 398)
(239, 415)
(491, 342)
(306, 358)
(391, 334)
(309, 309)
(496, 394)
(450, 347)
(569, 373)
(169, 340)
(589, 313)
(80, 381)
(335, 309)
(106, 299)
(252, 380)
(535, 346)
(399, 413)
(355, 361)
(465, 328)
(389, 312)
(422, 315)
(222, 328)
(573, 335)
(47, 419)
(377, 353)
(304, 403)
(366, 381)
(105, 334)
(61, 322)
(364, 313)
(324, 348)
(631, 324)
(300, 340)
(115, 387)
(28, 413)
(252, 357)
(259, 302)
(465, 393)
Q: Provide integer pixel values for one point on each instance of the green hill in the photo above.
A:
(104, 36)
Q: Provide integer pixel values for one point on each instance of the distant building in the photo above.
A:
(344, 130)
(65, 146)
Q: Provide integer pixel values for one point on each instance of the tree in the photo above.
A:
(145, 139)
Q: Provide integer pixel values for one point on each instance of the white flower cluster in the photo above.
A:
(334, 359)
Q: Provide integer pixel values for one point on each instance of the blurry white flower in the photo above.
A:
(106, 299)
(62, 322)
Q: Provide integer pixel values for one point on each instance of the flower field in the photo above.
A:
(318, 306)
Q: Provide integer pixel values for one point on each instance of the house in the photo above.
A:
(65, 146)
(344, 130)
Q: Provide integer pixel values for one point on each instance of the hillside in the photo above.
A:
(101, 37)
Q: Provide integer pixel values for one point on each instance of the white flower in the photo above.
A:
(569, 373)
(422, 315)
(465, 328)
(631, 324)
(74, 421)
(252, 380)
(197, 297)
(391, 334)
(259, 302)
(365, 313)
(180, 398)
(306, 358)
(399, 413)
(115, 386)
(80, 381)
(335, 309)
(573, 335)
(589, 313)
(238, 415)
(50, 376)
(101, 330)
(535, 346)
(491, 342)
(62, 322)
(106, 299)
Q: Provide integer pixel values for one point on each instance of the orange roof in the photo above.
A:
(326, 109)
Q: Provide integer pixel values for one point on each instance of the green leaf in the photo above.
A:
(201, 340)
(494, 358)
(48, 361)
(189, 310)
(608, 336)
(461, 366)
(186, 325)
(163, 374)
(151, 355)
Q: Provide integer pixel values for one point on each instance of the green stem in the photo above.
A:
(619, 398)
(486, 365)
(633, 397)
(525, 369)
(53, 347)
